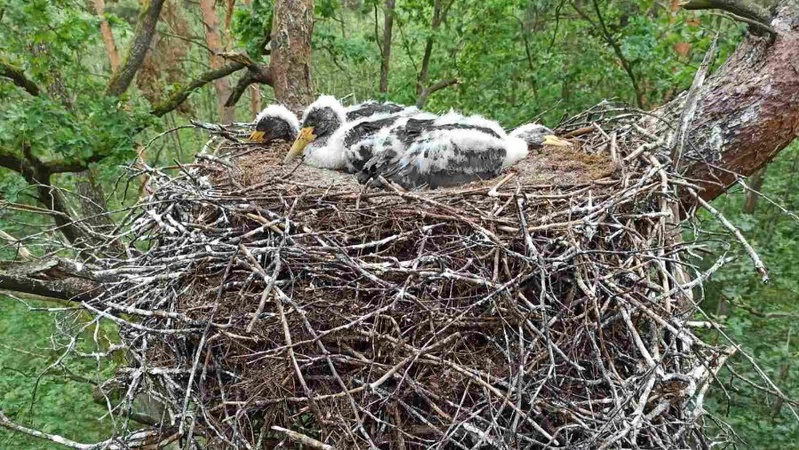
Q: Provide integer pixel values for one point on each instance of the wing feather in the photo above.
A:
(440, 157)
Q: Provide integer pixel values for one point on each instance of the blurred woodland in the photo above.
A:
(86, 85)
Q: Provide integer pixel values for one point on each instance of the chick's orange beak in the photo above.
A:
(303, 139)
(257, 136)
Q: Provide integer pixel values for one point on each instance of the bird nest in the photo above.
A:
(549, 308)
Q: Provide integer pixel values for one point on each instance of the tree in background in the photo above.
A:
(55, 127)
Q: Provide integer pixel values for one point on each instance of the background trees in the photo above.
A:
(74, 110)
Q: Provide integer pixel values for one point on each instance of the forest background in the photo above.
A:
(510, 60)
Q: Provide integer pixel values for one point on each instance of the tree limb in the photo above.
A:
(746, 112)
(107, 34)
(761, 27)
(38, 174)
(385, 49)
(213, 38)
(17, 76)
(255, 74)
(11, 161)
(140, 44)
(428, 51)
(426, 92)
(74, 165)
(54, 278)
(180, 96)
(743, 8)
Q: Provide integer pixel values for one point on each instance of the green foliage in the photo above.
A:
(518, 60)
(61, 45)
(738, 299)
(250, 25)
(58, 404)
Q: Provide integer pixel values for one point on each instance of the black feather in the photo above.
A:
(371, 108)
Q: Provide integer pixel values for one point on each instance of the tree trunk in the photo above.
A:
(255, 99)
(747, 111)
(255, 90)
(108, 36)
(213, 39)
(428, 49)
(292, 26)
(385, 50)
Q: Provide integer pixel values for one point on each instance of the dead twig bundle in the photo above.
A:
(532, 312)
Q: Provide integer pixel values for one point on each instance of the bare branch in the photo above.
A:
(256, 74)
(136, 440)
(426, 92)
(54, 278)
(757, 26)
(302, 439)
(22, 251)
(611, 41)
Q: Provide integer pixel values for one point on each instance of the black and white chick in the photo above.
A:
(329, 140)
(451, 150)
(275, 122)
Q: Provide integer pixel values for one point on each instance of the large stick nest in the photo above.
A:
(550, 308)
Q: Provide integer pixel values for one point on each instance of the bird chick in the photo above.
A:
(275, 122)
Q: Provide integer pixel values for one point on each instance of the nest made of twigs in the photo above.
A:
(547, 308)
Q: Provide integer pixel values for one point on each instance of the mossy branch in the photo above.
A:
(145, 30)
(17, 76)
(740, 9)
(180, 96)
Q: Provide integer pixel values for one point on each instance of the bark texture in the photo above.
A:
(292, 26)
(54, 278)
(748, 110)
(145, 30)
(213, 39)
